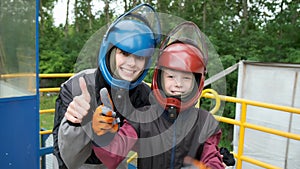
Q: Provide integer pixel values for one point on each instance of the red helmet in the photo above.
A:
(183, 50)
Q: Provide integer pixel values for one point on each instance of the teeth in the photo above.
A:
(128, 71)
(177, 92)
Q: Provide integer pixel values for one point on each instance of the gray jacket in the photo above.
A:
(72, 142)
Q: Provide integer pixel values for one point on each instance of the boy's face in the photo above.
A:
(177, 82)
(129, 66)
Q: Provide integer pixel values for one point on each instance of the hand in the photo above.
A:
(80, 105)
(227, 157)
(104, 118)
(223, 162)
(193, 163)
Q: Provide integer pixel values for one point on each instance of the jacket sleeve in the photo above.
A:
(60, 110)
(114, 153)
(74, 143)
(72, 140)
(211, 155)
(64, 98)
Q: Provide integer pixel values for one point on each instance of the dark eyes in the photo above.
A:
(125, 53)
(186, 78)
(128, 54)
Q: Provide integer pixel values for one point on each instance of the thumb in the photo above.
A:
(105, 98)
(84, 90)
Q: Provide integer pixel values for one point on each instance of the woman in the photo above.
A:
(124, 58)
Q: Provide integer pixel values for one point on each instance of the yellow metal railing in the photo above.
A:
(242, 123)
(53, 89)
(54, 75)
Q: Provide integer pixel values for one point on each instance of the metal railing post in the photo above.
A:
(242, 136)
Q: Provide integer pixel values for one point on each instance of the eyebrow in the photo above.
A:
(125, 53)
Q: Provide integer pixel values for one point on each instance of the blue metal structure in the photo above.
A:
(19, 84)
(44, 150)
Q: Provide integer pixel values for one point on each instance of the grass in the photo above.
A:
(47, 102)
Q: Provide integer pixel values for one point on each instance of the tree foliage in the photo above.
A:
(257, 30)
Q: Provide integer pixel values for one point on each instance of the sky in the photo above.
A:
(59, 11)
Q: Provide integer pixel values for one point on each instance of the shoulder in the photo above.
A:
(144, 87)
(140, 95)
(89, 73)
(72, 84)
(207, 117)
(208, 124)
(201, 114)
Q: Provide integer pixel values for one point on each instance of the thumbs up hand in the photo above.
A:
(104, 118)
(80, 105)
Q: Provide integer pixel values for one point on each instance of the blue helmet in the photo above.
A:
(133, 33)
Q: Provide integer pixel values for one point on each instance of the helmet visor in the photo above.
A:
(143, 13)
(187, 32)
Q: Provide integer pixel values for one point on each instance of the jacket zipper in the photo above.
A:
(173, 147)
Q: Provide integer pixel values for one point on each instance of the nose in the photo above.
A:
(178, 83)
(131, 60)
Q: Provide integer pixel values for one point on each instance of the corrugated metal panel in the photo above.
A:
(275, 83)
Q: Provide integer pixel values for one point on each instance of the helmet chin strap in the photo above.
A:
(172, 112)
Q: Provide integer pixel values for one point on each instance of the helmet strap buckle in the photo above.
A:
(172, 112)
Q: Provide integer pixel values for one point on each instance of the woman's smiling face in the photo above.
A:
(129, 66)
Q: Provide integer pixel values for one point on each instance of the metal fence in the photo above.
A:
(210, 94)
